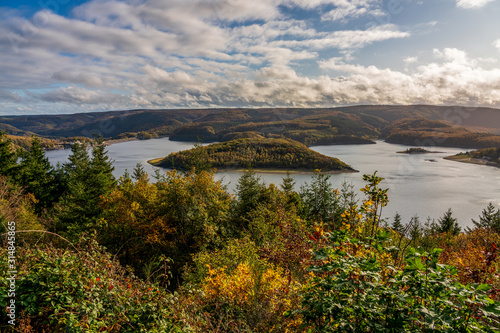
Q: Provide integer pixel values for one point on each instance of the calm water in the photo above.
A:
(416, 186)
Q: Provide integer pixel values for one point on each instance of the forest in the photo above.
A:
(255, 153)
(416, 125)
(178, 252)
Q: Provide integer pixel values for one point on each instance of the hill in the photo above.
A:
(257, 153)
(426, 132)
(310, 126)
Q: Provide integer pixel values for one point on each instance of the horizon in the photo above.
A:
(80, 56)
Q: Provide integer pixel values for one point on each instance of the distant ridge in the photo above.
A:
(310, 126)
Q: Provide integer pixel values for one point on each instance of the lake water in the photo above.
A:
(416, 186)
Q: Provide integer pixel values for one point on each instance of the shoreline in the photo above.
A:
(269, 171)
(471, 160)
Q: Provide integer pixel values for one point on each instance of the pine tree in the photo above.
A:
(397, 225)
(8, 158)
(288, 183)
(37, 176)
(248, 190)
(139, 172)
(87, 179)
(489, 218)
(448, 223)
(415, 230)
(320, 199)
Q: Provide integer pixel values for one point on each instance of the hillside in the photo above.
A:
(425, 132)
(265, 153)
(310, 126)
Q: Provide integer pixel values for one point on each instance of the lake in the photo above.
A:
(416, 185)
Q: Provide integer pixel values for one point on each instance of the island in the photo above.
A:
(266, 154)
(417, 151)
(487, 156)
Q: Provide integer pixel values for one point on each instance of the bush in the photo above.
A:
(61, 290)
(358, 289)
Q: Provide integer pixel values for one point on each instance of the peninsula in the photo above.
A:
(488, 156)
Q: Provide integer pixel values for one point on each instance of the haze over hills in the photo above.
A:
(310, 126)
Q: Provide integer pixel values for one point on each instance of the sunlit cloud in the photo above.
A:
(472, 3)
(195, 53)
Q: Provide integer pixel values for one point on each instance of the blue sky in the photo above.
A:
(66, 56)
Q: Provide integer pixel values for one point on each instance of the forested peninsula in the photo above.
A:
(487, 156)
(257, 153)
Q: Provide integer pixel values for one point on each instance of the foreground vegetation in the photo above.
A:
(259, 153)
(182, 254)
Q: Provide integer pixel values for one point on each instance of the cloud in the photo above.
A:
(78, 95)
(348, 10)
(349, 39)
(472, 3)
(497, 44)
(456, 80)
(128, 54)
(8, 96)
(410, 60)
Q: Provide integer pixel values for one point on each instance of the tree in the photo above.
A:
(248, 191)
(448, 223)
(181, 214)
(37, 176)
(320, 199)
(397, 225)
(489, 218)
(8, 158)
(288, 187)
(288, 183)
(415, 229)
(139, 172)
(87, 178)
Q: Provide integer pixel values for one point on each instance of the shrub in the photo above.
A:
(62, 290)
(357, 289)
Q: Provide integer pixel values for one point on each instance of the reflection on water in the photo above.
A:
(416, 186)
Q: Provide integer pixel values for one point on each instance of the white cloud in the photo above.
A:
(456, 80)
(197, 53)
(410, 60)
(472, 3)
(349, 39)
(346, 10)
(497, 44)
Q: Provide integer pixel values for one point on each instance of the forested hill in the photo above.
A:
(310, 126)
(254, 153)
(425, 132)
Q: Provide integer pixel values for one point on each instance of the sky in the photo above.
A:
(67, 56)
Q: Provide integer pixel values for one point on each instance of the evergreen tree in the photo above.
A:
(8, 158)
(37, 176)
(139, 172)
(248, 190)
(448, 223)
(397, 225)
(87, 179)
(320, 199)
(288, 184)
(415, 230)
(347, 197)
(101, 168)
(489, 218)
